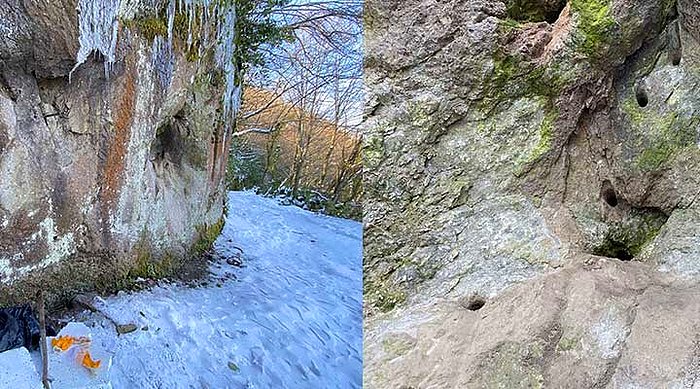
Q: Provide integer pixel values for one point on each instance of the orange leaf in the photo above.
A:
(62, 343)
(89, 363)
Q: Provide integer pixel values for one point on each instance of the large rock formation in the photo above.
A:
(532, 169)
(112, 142)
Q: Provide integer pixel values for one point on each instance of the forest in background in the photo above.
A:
(297, 134)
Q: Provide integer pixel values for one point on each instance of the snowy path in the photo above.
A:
(291, 319)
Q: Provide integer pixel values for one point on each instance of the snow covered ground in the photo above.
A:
(291, 318)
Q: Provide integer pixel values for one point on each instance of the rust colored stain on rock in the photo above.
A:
(116, 153)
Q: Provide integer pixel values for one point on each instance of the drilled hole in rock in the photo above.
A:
(641, 94)
(607, 193)
(473, 303)
(535, 10)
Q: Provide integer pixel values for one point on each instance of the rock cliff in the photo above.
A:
(531, 175)
(113, 138)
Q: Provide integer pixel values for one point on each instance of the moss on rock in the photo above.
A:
(207, 235)
(595, 26)
(661, 135)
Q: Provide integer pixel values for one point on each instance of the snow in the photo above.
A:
(291, 318)
(18, 371)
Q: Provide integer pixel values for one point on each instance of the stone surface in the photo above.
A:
(126, 328)
(503, 149)
(600, 324)
(103, 173)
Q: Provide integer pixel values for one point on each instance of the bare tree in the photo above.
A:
(316, 81)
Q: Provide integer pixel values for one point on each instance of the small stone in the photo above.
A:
(234, 261)
(144, 328)
(126, 328)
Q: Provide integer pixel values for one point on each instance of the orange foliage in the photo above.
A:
(324, 148)
(64, 342)
(88, 362)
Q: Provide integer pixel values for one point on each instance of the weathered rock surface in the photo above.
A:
(105, 173)
(505, 148)
(598, 324)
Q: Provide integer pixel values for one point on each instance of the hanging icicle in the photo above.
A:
(98, 33)
(163, 60)
(98, 25)
(225, 59)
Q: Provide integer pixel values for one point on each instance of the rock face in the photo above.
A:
(543, 156)
(105, 168)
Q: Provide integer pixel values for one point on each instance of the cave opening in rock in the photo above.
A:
(615, 249)
(168, 147)
(607, 193)
(627, 232)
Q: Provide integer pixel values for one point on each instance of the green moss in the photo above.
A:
(546, 133)
(653, 157)
(546, 136)
(207, 234)
(595, 26)
(632, 110)
(629, 237)
(514, 77)
(157, 25)
(383, 296)
(508, 25)
(514, 365)
(149, 27)
(147, 266)
(661, 135)
(181, 29)
(649, 226)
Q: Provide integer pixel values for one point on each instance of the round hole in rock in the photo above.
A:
(473, 302)
(640, 92)
(607, 193)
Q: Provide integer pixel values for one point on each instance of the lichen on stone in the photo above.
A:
(661, 135)
(595, 25)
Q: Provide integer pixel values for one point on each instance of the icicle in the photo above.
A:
(98, 29)
(162, 55)
(225, 58)
(163, 60)
(171, 21)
